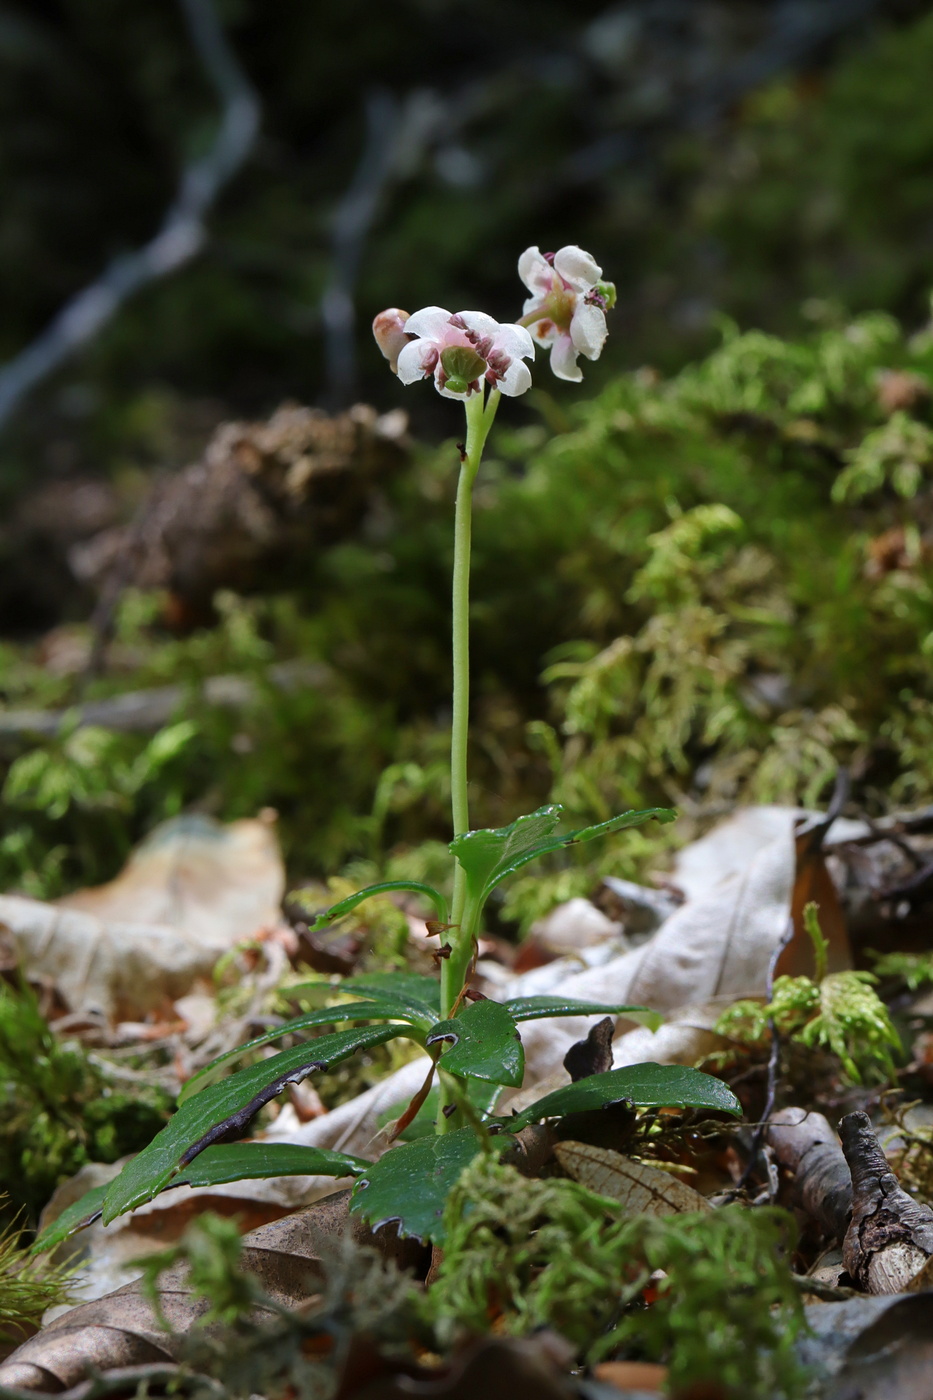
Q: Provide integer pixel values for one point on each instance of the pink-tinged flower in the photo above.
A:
(463, 350)
(391, 337)
(567, 307)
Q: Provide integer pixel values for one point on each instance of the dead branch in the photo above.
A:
(805, 1145)
(145, 711)
(182, 234)
(888, 1244)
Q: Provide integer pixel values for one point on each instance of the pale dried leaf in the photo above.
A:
(190, 892)
(639, 1188)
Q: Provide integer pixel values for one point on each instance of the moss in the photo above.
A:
(60, 1109)
(523, 1254)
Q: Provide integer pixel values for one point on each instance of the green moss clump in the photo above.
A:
(523, 1254)
(59, 1109)
(28, 1286)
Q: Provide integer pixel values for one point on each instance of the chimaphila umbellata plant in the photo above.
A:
(472, 1044)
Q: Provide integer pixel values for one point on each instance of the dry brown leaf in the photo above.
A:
(122, 1330)
(631, 1375)
(639, 1188)
(190, 892)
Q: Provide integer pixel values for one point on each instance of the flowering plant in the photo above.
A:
(471, 1044)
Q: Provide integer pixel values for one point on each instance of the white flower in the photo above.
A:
(462, 350)
(567, 307)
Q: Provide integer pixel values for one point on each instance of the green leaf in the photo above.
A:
(246, 1161)
(536, 1008)
(479, 1092)
(241, 1161)
(228, 1107)
(646, 1086)
(346, 906)
(328, 1016)
(418, 994)
(486, 1044)
(84, 1211)
(488, 856)
(411, 1183)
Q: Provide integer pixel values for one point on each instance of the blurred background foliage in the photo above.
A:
(703, 578)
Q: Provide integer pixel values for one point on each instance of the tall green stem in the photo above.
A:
(479, 419)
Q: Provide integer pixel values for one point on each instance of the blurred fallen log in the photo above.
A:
(247, 515)
(148, 710)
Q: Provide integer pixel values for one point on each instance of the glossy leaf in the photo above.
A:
(248, 1161)
(84, 1211)
(485, 1044)
(537, 1008)
(489, 856)
(481, 1094)
(215, 1166)
(346, 906)
(227, 1108)
(645, 1086)
(410, 1184)
(326, 1016)
(419, 994)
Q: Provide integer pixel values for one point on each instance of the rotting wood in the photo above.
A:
(805, 1145)
(889, 1242)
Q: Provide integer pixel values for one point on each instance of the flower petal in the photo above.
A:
(449, 393)
(544, 332)
(515, 341)
(534, 270)
(411, 362)
(564, 359)
(430, 322)
(479, 322)
(588, 330)
(578, 268)
(516, 379)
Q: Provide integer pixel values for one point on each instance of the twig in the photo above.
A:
(182, 233)
(773, 1061)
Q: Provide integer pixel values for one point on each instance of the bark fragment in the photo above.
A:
(805, 1144)
(889, 1242)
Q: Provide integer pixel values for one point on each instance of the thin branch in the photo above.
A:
(181, 235)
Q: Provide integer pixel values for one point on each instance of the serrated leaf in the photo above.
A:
(485, 1044)
(537, 1008)
(346, 906)
(410, 1184)
(646, 1086)
(327, 1016)
(249, 1161)
(228, 1107)
(489, 856)
(84, 1211)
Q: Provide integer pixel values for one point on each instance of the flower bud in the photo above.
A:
(389, 330)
